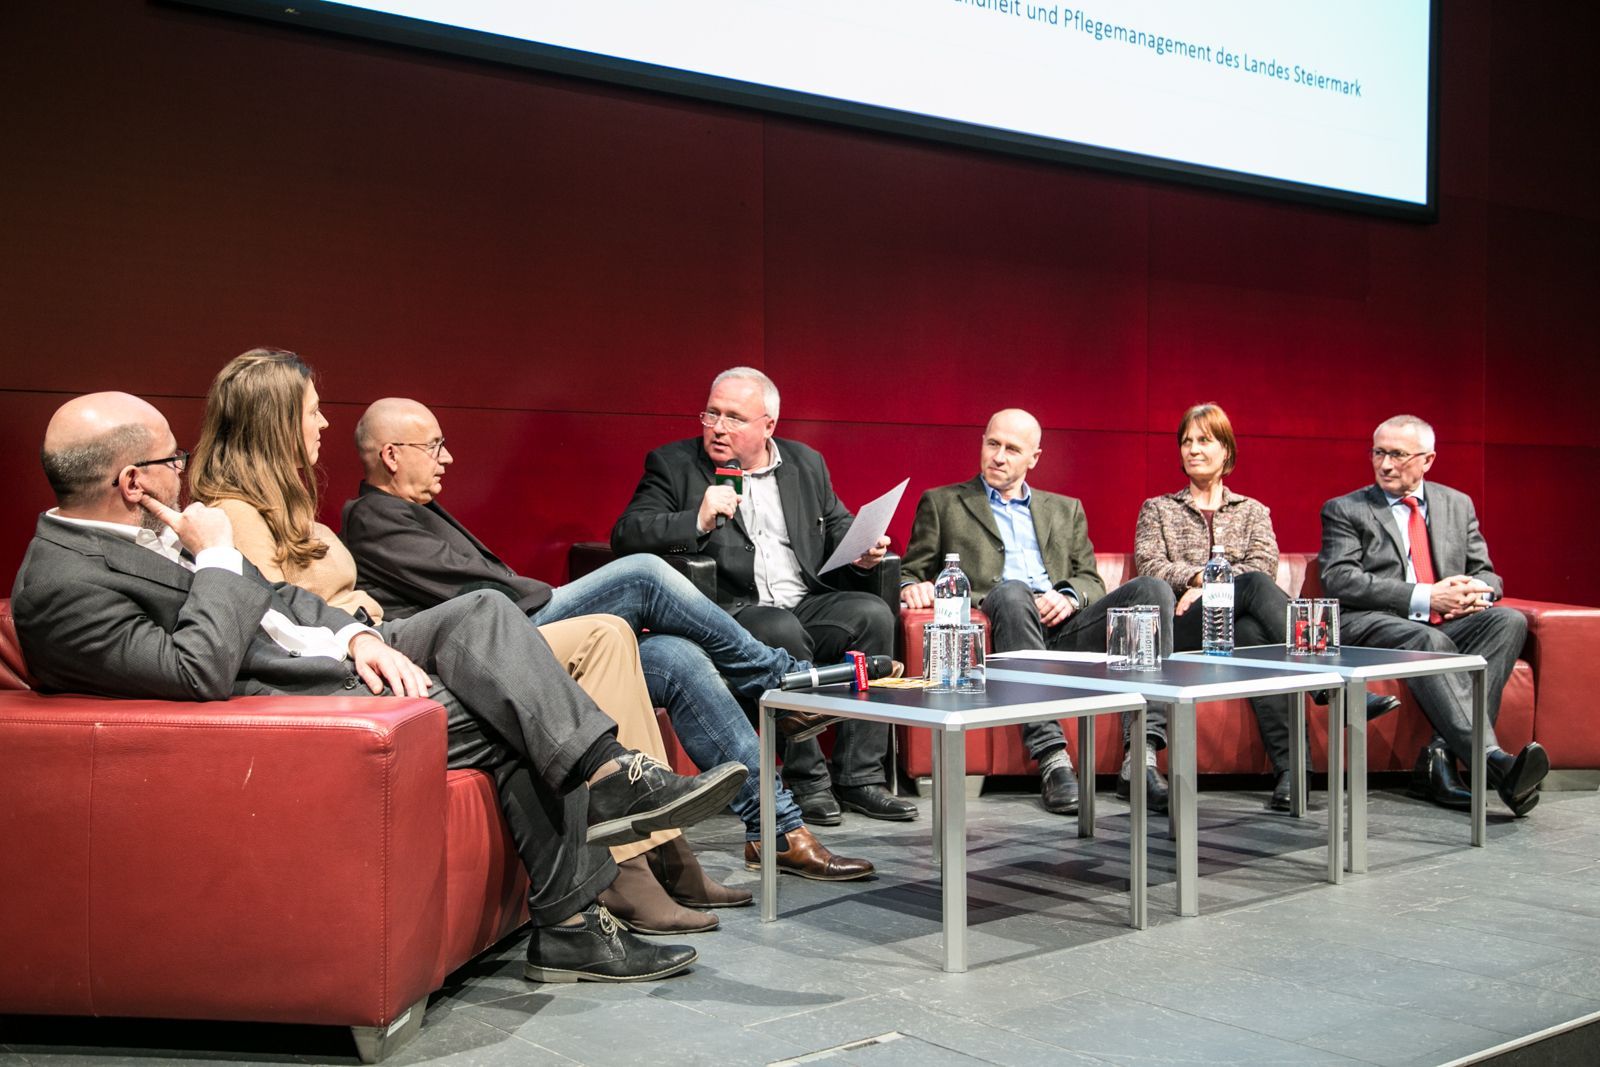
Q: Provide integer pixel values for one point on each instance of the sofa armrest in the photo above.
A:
(586, 557)
(1562, 639)
(266, 859)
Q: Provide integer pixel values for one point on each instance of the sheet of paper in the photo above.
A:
(871, 523)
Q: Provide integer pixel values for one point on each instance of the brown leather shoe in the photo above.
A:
(638, 903)
(809, 858)
(678, 870)
(804, 725)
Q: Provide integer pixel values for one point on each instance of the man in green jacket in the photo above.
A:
(1028, 557)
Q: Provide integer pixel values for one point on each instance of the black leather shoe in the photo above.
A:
(1058, 788)
(819, 809)
(599, 950)
(1380, 704)
(1155, 790)
(1434, 779)
(645, 796)
(1517, 778)
(1377, 704)
(1279, 801)
(875, 802)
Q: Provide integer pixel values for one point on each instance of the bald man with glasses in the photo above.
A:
(1411, 570)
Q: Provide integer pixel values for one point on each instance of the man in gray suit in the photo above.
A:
(1411, 571)
(121, 594)
(1028, 557)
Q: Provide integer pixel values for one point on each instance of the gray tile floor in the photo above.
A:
(1439, 952)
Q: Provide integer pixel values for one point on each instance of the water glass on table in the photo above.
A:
(1133, 639)
(1311, 627)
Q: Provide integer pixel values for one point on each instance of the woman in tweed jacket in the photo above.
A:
(1174, 539)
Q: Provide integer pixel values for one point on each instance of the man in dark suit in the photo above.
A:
(1028, 557)
(768, 544)
(1411, 570)
(413, 554)
(120, 594)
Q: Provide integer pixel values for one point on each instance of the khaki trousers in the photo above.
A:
(601, 654)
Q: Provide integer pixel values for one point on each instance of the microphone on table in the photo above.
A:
(869, 666)
(729, 473)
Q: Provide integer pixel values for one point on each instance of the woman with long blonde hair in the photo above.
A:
(256, 460)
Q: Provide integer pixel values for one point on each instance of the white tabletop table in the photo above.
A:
(1355, 667)
(949, 716)
(1179, 685)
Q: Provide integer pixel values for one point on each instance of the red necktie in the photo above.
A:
(1421, 554)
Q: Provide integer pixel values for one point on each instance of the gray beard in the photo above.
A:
(149, 521)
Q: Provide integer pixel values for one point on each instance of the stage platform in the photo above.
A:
(1440, 954)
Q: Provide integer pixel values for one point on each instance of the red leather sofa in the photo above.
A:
(300, 860)
(1548, 698)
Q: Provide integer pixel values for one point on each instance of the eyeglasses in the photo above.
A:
(1380, 454)
(178, 461)
(709, 420)
(432, 448)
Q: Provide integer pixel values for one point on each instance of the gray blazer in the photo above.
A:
(957, 518)
(1364, 565)
(101, 615)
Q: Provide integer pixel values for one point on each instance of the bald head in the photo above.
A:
(1010, 450)
(1018, 423)
(90, 440)
(402, 449)
(394, 418)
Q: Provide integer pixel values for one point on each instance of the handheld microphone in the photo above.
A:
(876, 667)
(732, 474)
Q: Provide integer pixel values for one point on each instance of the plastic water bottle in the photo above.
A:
(1216, 602)
(952, 594)
(952, 609)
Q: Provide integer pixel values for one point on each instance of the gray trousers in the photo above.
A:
(1015, 624)
(1496, 634)
(514, 712)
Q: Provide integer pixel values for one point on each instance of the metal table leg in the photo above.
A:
(940, 785)
(953, 831)
(1336, 732)
(1297, 755)
(769, 814)
(1138, 843)
(1480, 757)
(1086, 775)
(1355, 732)
(1182, 802)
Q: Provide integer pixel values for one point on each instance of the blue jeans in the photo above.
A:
(652, 596)
(710, 724)
(693, 656)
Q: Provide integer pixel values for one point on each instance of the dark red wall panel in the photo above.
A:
(560, 267)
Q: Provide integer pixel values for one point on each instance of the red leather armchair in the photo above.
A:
(302, 860)
(1546, 699)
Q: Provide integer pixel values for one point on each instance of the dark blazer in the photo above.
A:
(661, 518)
(957, 518)
(413, 556)
(1362, 561)
(98, 614)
